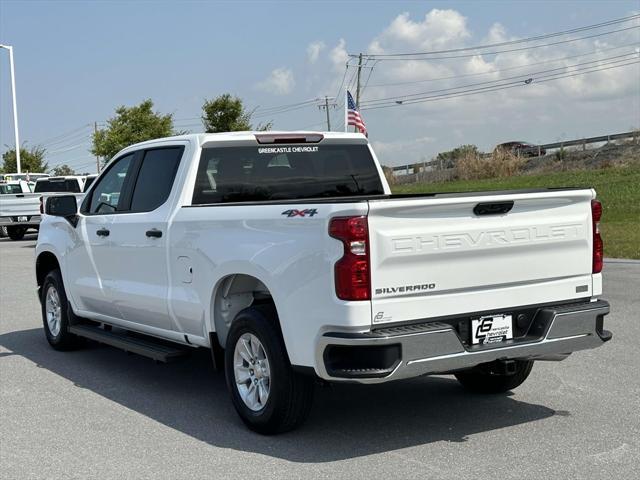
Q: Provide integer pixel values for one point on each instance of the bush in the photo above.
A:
(499, 164)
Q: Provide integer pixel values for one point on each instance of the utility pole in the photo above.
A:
(355, 129)
(95, 130)
(326, 106)
(15, 108)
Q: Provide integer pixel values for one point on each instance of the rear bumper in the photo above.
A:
(430, 348)
(33, 221)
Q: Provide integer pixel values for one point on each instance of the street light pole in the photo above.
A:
(15, 109)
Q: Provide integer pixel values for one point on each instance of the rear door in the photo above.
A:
(434, 257)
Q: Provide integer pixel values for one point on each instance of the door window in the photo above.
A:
(155, 179)
(107, 194)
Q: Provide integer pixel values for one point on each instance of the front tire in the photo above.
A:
(481, 379)
(55, 313)
(267, 394)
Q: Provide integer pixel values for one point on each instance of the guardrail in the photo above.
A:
(538, 148)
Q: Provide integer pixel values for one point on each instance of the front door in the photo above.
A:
(90, 281)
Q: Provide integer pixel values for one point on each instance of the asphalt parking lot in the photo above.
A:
(100, 413)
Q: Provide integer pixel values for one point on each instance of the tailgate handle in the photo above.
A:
(493, 208)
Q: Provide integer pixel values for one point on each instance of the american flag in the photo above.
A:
(353, 116)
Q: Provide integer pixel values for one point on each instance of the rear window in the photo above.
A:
(68, 185)
(6, 189)
(285, 172)
(88, 182)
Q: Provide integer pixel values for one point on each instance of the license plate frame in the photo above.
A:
(492, 329)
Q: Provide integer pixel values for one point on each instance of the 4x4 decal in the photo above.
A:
(309, 212)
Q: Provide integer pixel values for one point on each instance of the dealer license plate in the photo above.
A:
(23, 219)
(491, 329)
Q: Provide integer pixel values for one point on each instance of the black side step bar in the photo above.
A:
(146, 347)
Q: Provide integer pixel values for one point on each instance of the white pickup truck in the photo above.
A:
(22, 211)
(287, 255)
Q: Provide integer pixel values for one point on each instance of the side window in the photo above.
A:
(107, 192)
(155, 179)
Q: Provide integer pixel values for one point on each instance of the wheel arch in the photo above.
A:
(233, 293)
(45, 262)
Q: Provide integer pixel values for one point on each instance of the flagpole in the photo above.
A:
(346, 101)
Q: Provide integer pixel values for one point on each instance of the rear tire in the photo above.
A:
(267, 393)
(16, 233)
(3, 232)
(55, 313)
(480, 380)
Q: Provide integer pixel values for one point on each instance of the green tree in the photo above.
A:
(31, 160)
(227, 114)
(131, 125)
(62, 170)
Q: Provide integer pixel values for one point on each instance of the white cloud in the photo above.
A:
(584, 105)
(440, 28)
(339, 55)
(313, 51)
(497, 33)
(279, 82)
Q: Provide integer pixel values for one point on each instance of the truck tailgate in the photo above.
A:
(13, 205)
(434, 257)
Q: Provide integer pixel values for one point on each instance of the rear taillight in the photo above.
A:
(598, 246)
(41, 205)
(352, 271)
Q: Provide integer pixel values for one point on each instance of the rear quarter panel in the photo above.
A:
(293, 256)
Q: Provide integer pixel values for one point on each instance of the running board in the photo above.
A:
(147, 347)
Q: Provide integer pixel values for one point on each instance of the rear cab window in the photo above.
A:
(51, 185)
(8, 189)
(285, 172)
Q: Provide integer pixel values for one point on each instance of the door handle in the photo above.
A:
(154, 232)
(103, 232)
(493, 208)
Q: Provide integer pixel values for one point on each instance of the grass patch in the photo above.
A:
(618, 189)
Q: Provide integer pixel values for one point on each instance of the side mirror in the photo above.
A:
(62, 206)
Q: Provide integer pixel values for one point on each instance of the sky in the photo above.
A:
(77, 61)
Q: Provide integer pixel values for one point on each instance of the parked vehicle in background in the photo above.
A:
(69, 183)
(89, 180)
(29, 177)
(286, 254)
(14, 186)
(20, 212)
(522, 149)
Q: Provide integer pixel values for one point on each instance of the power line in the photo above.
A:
(268, 110)
(510, 42)
(51, 139)
(494, 88)
(495, 52)
(278, 112)
(499, 87)
(68, 141)
(517, 67)
(68, 149)
(346, 69)
(521, 77)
